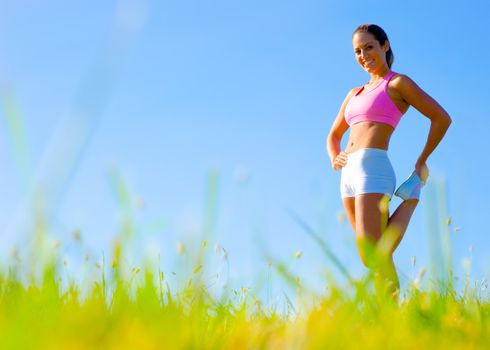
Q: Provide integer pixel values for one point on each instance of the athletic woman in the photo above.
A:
(372, 113)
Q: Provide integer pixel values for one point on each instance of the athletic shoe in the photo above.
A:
(410, 189)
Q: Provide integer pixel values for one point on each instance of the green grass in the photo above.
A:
(118, 306)
(135, 308)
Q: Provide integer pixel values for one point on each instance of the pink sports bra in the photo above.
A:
(374, 105)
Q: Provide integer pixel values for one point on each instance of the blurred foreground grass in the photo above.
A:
(139, 310)
(120, 306)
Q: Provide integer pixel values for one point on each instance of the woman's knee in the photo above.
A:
(372, 256)
(367, 251)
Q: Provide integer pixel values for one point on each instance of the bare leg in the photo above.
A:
(387, 279)
(398, 221)
(371, 221)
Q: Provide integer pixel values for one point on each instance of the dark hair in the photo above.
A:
(380, 35)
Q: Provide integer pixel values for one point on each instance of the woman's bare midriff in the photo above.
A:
(369, 135)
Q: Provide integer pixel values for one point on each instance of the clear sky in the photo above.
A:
(165, 93)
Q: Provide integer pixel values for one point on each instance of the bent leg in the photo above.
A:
(398, 222)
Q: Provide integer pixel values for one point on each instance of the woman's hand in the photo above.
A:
(340, 161)
(422, 171)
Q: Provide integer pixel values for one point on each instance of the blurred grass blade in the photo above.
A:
(328, 253)
(438, 234)
(17, 133)
(124, 200)
(211, 207)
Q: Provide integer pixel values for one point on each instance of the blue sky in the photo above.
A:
(165, 93)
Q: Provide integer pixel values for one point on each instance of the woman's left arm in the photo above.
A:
(439, 118)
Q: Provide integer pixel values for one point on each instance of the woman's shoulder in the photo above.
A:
(354, 91)
(407, 89)
(401, 79)
(402, 82)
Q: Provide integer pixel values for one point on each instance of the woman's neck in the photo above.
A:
(377, 76)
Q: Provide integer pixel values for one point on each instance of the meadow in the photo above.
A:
(119, 306)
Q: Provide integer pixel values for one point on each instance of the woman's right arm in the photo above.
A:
(338, 159)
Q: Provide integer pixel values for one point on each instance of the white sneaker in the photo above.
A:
(410, 189)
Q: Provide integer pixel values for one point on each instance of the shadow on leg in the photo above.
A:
(350, 209)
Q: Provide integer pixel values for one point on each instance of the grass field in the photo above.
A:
(136, 308)
(115, 305)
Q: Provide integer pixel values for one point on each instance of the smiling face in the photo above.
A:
(370, 54)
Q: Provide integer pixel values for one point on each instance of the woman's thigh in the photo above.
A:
(370, 217)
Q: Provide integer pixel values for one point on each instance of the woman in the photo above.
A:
(368, 181)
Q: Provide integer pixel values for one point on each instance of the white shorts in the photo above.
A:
(368, 170)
